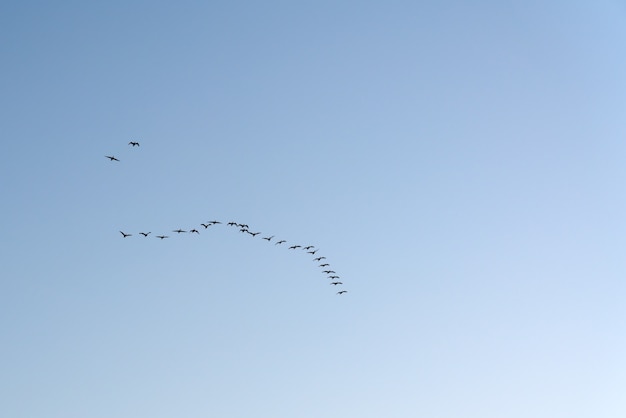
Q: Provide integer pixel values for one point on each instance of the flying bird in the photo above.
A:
(145, 234)
(324, 265)
(336, 283)
(342, 292)
(268, 239)
(162, 236)
(293, 247)
(205, 225)
(319, 258)
(254, 234)
(312, 252)
(179, 230)
(194, 230)
(333, 277)
(308, 247)
(112, 158)
(328, 271)
(134, 144)
(214, 222)
(125, 235)
(280, 242)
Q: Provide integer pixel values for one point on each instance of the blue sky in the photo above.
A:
(461, 166)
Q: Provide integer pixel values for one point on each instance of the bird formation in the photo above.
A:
(245, 229)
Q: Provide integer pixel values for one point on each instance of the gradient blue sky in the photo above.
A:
(461, 165)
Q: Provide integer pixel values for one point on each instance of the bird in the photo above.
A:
(178, 230)
(232, 224)
(194, 230)
(333, 277)
(308, 247)
(134, 144)
(268, 239)
(319, 258)
(214, 222)
(145, 234)
(205, 225)
(328, 271)
(324, 265)
(112, 158)
(280, 242)
(312, 252)
(342, 292)
(254, 234)
(243, 230)
(162, 236)
(293, 247)
(336, 283)
(126, 235)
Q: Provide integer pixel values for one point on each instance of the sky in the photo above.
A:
(460, 165)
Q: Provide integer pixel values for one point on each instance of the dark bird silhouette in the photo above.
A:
(214, 222)
(319, 258)
(112, 158)
(254, 234)
(336, 283)
(145, 234)
(162, 236)
(342, 292)
(243, 226)
(333, 277)
(232, 224)
(308, 247)
(194, 230)
(280, 242)
(324, 265)
(293, 247)
(243, 230)
(126, 235)
(205, 225)
(134, 144)
(179, 230)
(328, 271)
(312, 252)
(268, 239)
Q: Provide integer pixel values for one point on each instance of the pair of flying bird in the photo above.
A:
(131, 143)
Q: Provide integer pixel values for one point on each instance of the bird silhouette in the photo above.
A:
(162, 236)
(112, 158)
(312, 252)
(205, 225)
(214, 222)
(308, 247)
(319, 258)
(293, 247)
(342, 292)
(134, 144)
(145, 234)
(125, 235)
(324, 265)
(194, 230)
(333, 277)
(328, 271)
(268, 239)
(336, 283)
(254, 234)
(280, 242)
(179, 230)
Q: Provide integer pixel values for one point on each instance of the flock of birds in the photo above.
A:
(245, 229)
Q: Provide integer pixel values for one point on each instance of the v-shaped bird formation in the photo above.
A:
(245, 229)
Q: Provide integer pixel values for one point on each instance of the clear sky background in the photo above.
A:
(460, 164)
